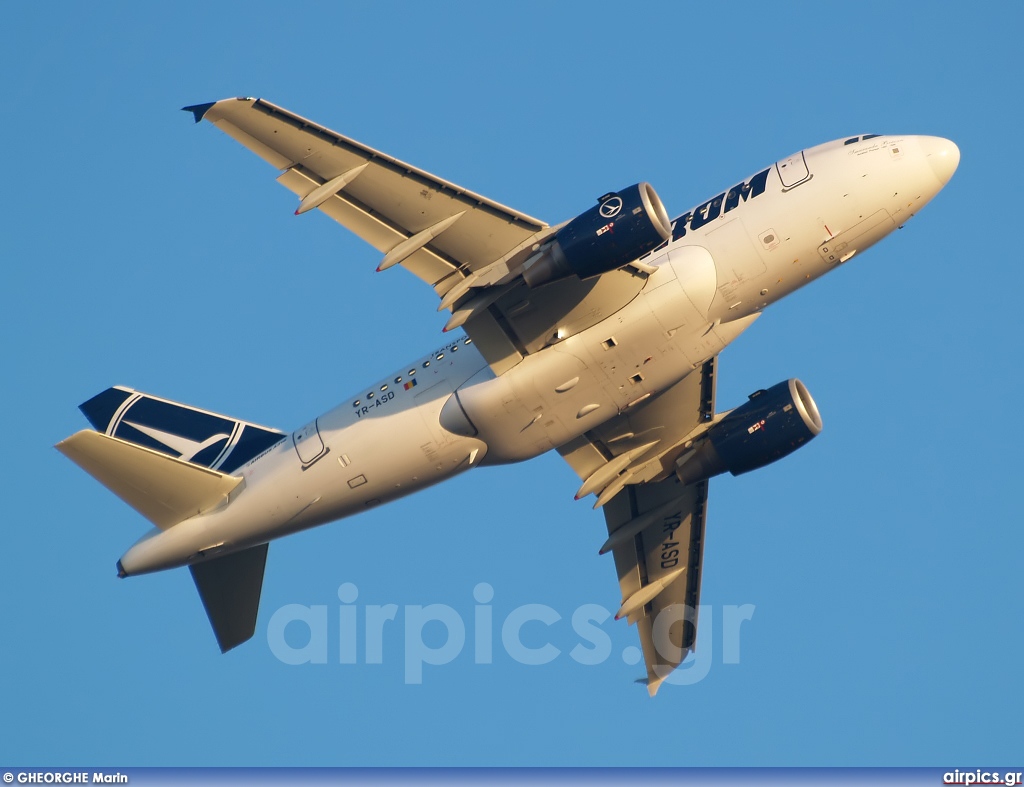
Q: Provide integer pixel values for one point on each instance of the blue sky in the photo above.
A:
(883, 561)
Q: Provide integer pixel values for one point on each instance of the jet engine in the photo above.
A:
(771, 424)
(623, 225)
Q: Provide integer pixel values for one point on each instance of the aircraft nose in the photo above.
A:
(943, 156)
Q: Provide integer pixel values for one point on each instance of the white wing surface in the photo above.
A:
(655, 523)
(468, 248)
(384, 201)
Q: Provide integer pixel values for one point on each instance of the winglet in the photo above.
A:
(198, 110)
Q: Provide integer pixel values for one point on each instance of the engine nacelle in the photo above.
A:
(623, 225)
(771, 424)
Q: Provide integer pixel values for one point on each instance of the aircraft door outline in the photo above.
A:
(309, 445)
(793, 171)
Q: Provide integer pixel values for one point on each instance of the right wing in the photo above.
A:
(655, 523)
(659, 568)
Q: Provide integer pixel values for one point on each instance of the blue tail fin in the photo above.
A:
(187, 433)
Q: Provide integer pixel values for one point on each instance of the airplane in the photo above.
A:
(597, 337)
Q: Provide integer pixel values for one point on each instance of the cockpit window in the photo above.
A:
(870, 136)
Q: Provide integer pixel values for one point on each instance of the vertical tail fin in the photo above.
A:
(230, 588)
(167, 460)
(177, 430)
(171, 462)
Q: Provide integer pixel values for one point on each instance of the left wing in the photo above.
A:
(470, 249)
(655, 523)
(384, 201)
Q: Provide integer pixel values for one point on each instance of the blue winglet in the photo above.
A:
(198, 110)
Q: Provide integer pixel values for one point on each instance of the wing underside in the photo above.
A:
(656, 524)
(664, 558)
(381, 199)
(470, 249)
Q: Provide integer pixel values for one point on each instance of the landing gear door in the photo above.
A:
(308, 443)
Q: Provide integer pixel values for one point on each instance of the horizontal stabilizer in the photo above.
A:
(230, 588)
(163, 489)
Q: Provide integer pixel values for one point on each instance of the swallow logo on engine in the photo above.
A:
(611, 207)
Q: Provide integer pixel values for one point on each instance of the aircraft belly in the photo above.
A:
(529, 409)
(381, 459)
(740, 270)
(695, 270)
(559, 393)
(370, 457)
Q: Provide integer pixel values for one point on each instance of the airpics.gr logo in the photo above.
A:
(528, 634)
(183, 432)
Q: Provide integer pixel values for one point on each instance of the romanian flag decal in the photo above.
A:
(410, 384)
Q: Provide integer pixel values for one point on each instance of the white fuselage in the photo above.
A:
(729, 258)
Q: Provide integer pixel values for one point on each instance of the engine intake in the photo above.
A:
(623, 226)
(771, 424)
